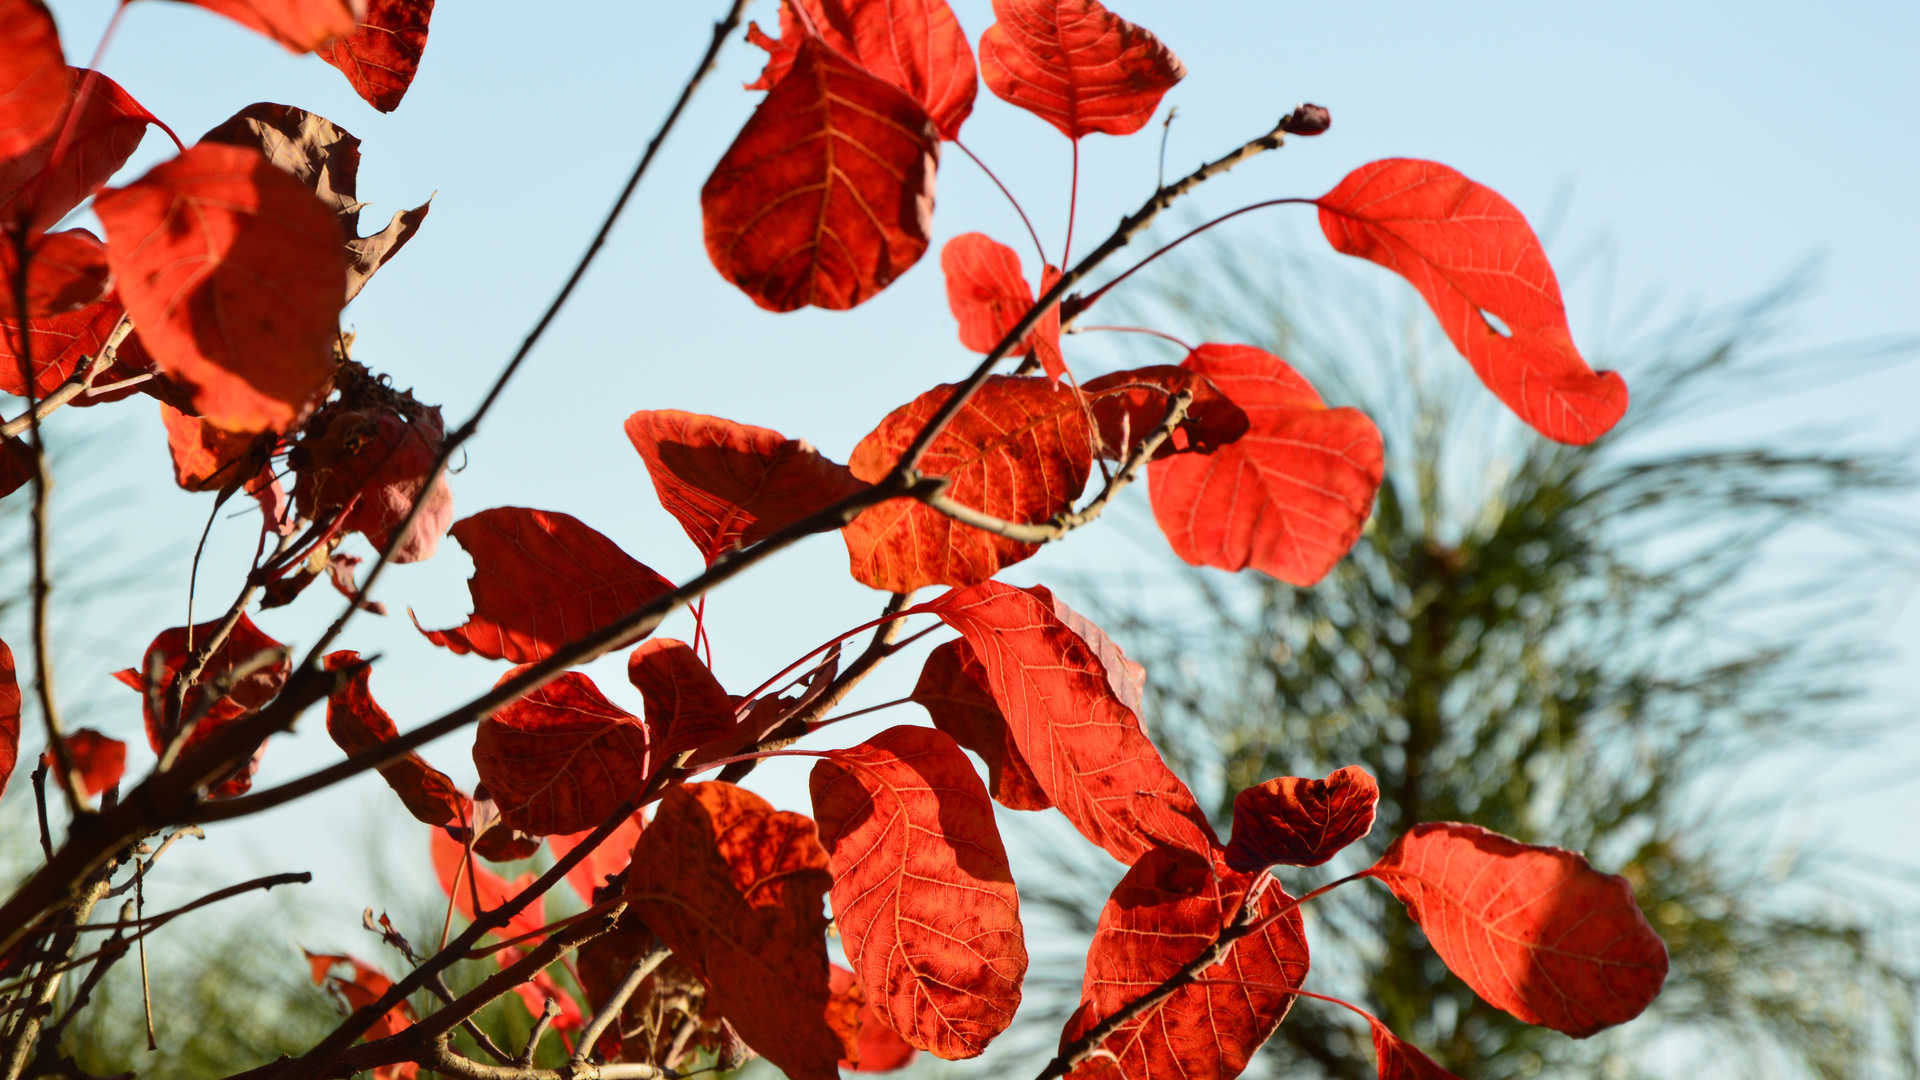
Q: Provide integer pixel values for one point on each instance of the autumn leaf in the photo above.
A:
(18, 464)
(99, 761)
(381, 54)
(1125, 677)
(988, 295)
(1534, 930)
(246, 647)
(953, 689)
(1085, 747)
(9, 716)
(370, 461)
(541, 579)
(1170, 906)
(1290, 496)
(37, 189)
(730, 485)
(66, 271)
(826, 196)
(686, 707)
(1076, 65)
(1478, 265)
(363, 988)
(59, 343)
(880, 1049)
(357, 723)
(922, 895)
(463, 880)
(734, 887)
(235, 274)
(914, 45)
(207, 458)
(1019, 450)
(34, 82)
(611, 857)
(1301, 822)
(561, 758)
(1401, 1060)
(299, 25)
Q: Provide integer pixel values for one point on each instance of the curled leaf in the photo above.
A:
(357, 723)
(1301, 822)
(381, 54)
(1076, 65)
(915, 45)
(686, 706)
(368, 456)
(245, 662)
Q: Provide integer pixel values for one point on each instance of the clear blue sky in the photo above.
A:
(1713, 146)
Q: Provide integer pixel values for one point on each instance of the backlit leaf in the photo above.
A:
(463, 879)
(1533, 930)
(953, 689)
(915, 45)
(357, 723)
(207, 458)
(1401, 1060)
(381, 54)
(38, 189)
(59, 343)
(1076, 65)
(734, 887)
(988, 294)
(686, 706)
(300, 25)
(608, 859)
(1480, 268)
(561, 758)
(1301, 822)
(364, 987)
(66, 271)
(99, 761)
(166, 658)
(9, 715)
(235, 274)
(33, 76)
(880, 1049)
(728, 484)
(922, 895)
(1287, 498)
(541, 579)
(1085, 747)
(1019, 450)
(826, 196)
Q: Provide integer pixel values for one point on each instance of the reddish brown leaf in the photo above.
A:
(1401, 1060)
(1301, 822)
(915, 45)
(562, 758)
(37, 190)
(1127, 405)
(9, 716)
(34, 82)
(1533, 930)
(1127, 678)
(66, 271)
(1289, 497)
(300, 25)
(235, 274)
(207, 458)
(734, 887)
(1480, 268)
(608, 859)
(463, 878)
(1168, 908)
(382, 53)
(879, 1048)
(369, 460)
(18, 464)
(728, 484)
(59, 343)
(541, 579)
(99, 761)
(953, 689)
(1085, 748)
(687, 708)
(166, 658)
(494, 839)
(340, 569)
(366, 986)
(1019, 450)
(922, 895)
(826, 196)
(357, 723)
(988, 294)
(1076, 65)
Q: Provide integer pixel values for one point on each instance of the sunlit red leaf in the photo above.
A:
(165, 659)
(381, 54)
(33, 76)
(9, 715)
(880, 1049)
(364, 987)
(609, 858)
(1076, 65)
(357, 723)
(234, 272)
(953, 689)
(1019, 450)
(1533, 930)
(988, 295)
(1085, 748)
(370, 461)
(915, 45)
(1477, 263)
(734, 887)
(300, 25)
(66, 271)
(561, 758)
(99, 761)
(686, 706)
(37, 189)
(207, 458)
(1301, 822)
(462, 879)
(1290, 496)
(730, 484)
(1401, 1060)
(1127, 405)
(540, 579)
(826, 196)
(1126, 677)
(1170, 907)
(922, 895)
(59, 343)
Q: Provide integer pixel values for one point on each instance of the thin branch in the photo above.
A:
(547, 1016)
(154, 922)
(81, 381)
(610, 1008)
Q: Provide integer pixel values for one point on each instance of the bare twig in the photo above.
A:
(81, 381)
(540, 1027)
(610, 1008)
(154, 922)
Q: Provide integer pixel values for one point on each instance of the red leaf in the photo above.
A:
(1401, 1060)
(1127, 405)
(1076, 65)
(1472, 255)
(1019, 450)
(686, 706)
(1301, 822)
(33, 76)
(914, 45)
(1125, 677)
(1086, 749)
(66, 271)
(357, 722)
(99, 761)
(1290, 496)
(734, 889)
(37, 190)
(562, 758)
(953, 689)
(880, 1049)
(366, 986)
(922, 895)
(370, 460)
(541, 579)
(18, 464)
(988, 295)
(608, 859)
(826, 196)
(382, 53)
(300, 25)
(59, 343)
(235, 273)
(1533, 930)
(9, 716)
(1169, 908)
(728, 484)
(462, 878)
(207, 458)
(167, 657)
